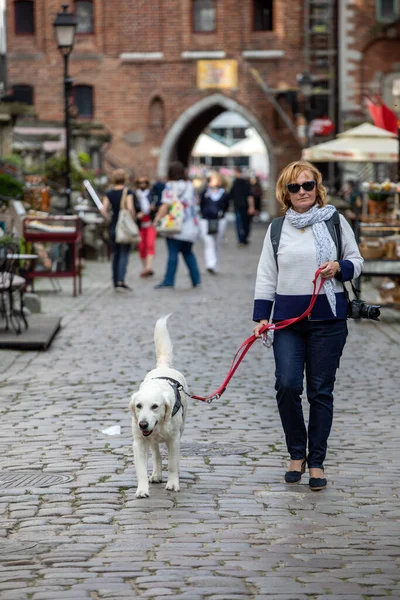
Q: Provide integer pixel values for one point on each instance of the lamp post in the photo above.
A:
(64, 27)
(305, 84)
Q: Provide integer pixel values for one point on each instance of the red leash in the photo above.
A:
(247, 344)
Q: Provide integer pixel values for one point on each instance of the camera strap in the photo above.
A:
(356, 291)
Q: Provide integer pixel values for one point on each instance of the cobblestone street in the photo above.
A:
(71, 527)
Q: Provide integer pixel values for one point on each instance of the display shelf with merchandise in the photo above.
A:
(378, 235)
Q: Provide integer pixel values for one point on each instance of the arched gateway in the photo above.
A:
(181, 137)
(183, 133)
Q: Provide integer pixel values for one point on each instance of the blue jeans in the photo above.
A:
(185, 248)
(243, 224)
(317, 346)
(119, 260)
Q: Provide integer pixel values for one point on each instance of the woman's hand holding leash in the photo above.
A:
(258, 328)
(329, 269)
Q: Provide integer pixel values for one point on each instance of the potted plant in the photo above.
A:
(377, 197)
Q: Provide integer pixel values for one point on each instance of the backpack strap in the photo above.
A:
(276, 230)
(333, 225)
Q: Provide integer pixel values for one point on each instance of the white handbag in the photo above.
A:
(126, 231)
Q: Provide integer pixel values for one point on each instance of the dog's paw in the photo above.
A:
(173, 486)
(155, 478)
(142, 493)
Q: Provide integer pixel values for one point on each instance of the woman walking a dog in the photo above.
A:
(284, 286)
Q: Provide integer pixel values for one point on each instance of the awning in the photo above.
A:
(208, 146)
(365, 143)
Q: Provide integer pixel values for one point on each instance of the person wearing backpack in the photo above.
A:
(309, 236)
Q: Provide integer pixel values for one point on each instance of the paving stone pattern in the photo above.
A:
(235, 531)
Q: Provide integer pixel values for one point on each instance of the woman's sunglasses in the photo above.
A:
(142, 182)
(307, 186)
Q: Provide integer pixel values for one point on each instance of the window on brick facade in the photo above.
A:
(387, 9)
(204, 15)
(24, 17)
(23, 93)
(84, 15)
(263, 15)
(83, 100)
(157, 113)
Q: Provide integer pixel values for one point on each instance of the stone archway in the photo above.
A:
(184, 132)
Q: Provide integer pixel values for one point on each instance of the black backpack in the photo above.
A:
(333, 225)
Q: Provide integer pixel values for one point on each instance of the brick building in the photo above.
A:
(369, 56)
(135, 64)
(154, 74)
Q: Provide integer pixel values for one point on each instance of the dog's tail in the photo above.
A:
(162, 341)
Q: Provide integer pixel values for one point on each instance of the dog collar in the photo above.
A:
(177, 387)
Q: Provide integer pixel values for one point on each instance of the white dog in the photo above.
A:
(159, 412)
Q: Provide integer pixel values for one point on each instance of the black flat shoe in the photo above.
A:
(317, 483)
(295, 476)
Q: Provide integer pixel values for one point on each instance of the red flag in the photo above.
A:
(381, 114)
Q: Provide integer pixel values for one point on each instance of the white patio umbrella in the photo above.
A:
(208, 146)
(364, 143)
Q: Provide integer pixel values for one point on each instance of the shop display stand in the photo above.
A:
(57, 230)
(374, 227)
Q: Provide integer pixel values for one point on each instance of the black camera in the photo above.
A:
(358, 309)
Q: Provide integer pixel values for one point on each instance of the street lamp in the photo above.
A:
(305, 84)
(64, 27)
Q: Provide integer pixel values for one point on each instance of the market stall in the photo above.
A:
(364, 143)
(378, 233)
(377, 217)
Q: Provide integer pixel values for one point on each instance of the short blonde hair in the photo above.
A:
(217, 175)
(289, 175)
(118, 176)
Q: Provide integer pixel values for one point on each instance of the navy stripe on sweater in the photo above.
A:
(287, 307)
(347, 270)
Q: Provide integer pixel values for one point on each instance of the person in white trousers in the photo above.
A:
(214, 203)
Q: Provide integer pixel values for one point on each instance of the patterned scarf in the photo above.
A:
(323, 240)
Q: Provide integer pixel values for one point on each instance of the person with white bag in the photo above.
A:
(112, 202)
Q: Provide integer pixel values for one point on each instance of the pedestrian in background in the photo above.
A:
(350, 192)
(257, 193)
(156, 192)
(214, 203)
(145, 217)
(178, 187)
(314, 344)
(243, 203)
(120, 252)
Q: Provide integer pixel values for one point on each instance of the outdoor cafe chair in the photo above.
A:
(12, 287)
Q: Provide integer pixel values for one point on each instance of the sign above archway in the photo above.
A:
(217, 74)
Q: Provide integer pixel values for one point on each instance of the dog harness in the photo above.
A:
(177, 387)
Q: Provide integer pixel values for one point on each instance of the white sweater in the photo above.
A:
(290, 285)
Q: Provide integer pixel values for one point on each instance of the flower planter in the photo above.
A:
(377, 207)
